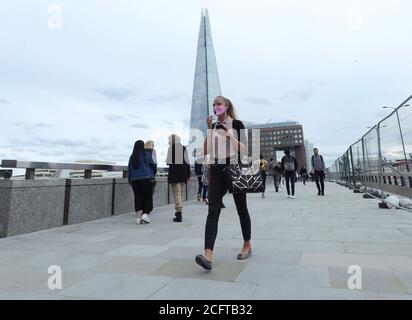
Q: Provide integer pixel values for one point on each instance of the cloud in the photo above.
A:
(4, 101)
(168, 122)
(114, 117)
(133, 116)
(139, 126)
(298, 95)
(167, 98)
(116, 93)
(258, 101)
(43, 142)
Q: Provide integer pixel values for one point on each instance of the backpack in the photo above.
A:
(289, 164)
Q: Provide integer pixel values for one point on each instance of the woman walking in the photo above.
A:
(140, 170)
(226, 136)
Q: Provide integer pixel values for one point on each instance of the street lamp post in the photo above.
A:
(400, 131)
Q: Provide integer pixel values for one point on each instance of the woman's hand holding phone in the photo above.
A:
(209, 121)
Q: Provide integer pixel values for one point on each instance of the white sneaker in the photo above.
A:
(145, 218)
(292, 197)
(288, 195)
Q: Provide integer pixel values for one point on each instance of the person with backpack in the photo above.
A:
(179, 172)
(141, 169)
(318, 170)
(289, 165)
(303, 174)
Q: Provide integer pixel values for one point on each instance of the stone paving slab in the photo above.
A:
(377, 281)
(301, 250)
(223, 270)
(117, 286)
(195, 289)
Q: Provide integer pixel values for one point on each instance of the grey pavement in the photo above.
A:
(302, 249)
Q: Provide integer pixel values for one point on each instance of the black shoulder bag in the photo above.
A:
(243, 178)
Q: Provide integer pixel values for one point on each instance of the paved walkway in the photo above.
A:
(302, 249)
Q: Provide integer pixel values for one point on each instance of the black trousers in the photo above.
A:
(217, 189)
(320, 180)
(264, 174)
(290, 178)
(143, 195)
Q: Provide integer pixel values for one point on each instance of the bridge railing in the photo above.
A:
(88, 168)
(380, 161)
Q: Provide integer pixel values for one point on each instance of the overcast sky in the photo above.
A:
(122, 70)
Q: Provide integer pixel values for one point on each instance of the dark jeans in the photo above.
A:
(290, 178)
(304, 178)
(143, 195)
(264, 180)
(199, 181)
(320, 177)
(217, 189)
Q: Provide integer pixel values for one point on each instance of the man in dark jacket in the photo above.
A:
(289, 166)
(179, 172)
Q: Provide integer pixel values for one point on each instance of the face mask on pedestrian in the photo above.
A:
(219, 108)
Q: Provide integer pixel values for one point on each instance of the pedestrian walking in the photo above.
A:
(141, 169)
(263, 165)
(318, 171)
(275, 170)
(179, 172)
(149, 146)
(225, 142)
(205, 179)
(289, 166)
(303, 174)
(198, 172)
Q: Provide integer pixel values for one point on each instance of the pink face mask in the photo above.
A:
(219, 109)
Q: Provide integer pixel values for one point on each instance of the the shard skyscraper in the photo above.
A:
(206, 83)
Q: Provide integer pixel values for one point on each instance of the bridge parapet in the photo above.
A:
(31, 204)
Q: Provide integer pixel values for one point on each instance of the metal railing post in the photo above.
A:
(380, 161)
(403, 143)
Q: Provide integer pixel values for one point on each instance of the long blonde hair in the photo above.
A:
(149, 145)
(230, 107)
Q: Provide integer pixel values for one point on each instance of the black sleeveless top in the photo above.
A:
(241, 137)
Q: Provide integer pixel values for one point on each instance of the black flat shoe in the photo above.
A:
(203, 262)
(240, 257)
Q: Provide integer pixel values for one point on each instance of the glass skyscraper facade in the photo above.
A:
(206, 81)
